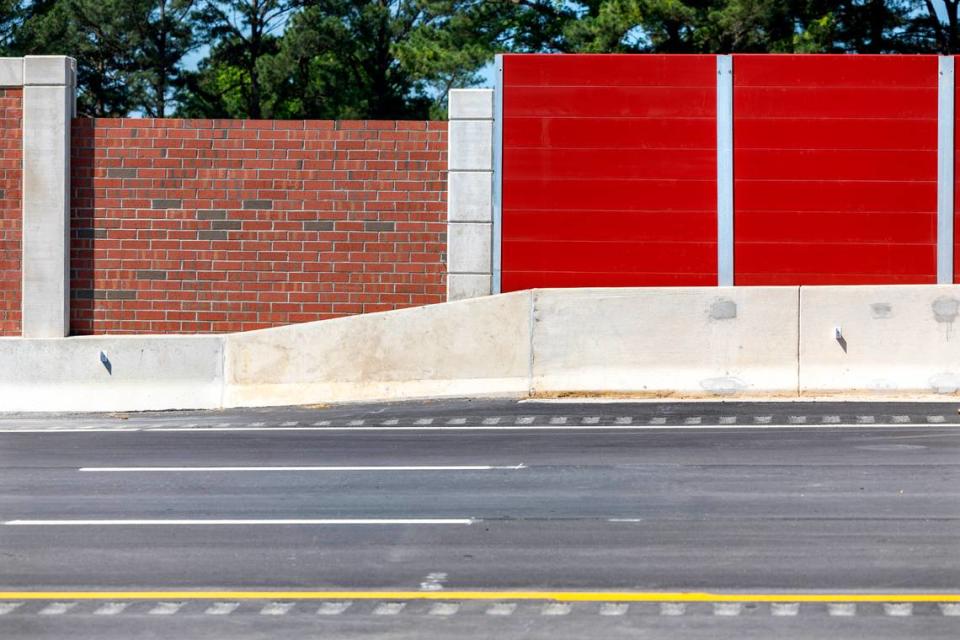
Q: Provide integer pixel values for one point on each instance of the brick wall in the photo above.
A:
(10, 211)
(217, 225)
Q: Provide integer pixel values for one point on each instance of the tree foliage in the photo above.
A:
(398, 58)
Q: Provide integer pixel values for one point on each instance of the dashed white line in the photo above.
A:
(558, 420)
(762, 419)
(390, 423)
(433, 581)
(784, 608)
(900, 419)
(165, 609)
(656, 421)
(490, 421)
(333, 608)
(277, 608)
(254, 424)
(57, 608)
(842, 608)
(556, 609)
(322, 423)
(614, 609)
(866, 419)
(200, 522)
(727, 608)
(477, 467)
(590, 420)
(289, 423)
(501, 609)
(457, 421)
(221, 608)
(7, 607)
(693, 420)
(110, 608)
(831, 419)
(526, 420)
(797, 419)
(389, 608)
(623, 420)
(443, 609)
(423, 421)
(356, 423)
(898, 608)
(728, 419)
(935, 419)
(672, 608)
(950, 608)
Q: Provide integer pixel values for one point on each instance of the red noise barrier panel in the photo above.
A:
(609, 171)
(835, 169)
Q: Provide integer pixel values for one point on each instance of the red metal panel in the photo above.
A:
(609, 171)
(835, 169)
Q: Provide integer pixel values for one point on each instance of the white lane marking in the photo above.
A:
(797, 419)
(623, 420)
(898, 608)
(443, 609)
(657, 421)
(333, 608)
(590, 420)
(433, 582)
(558, 420)
(900, 419)
(728, 419)
(165, 609)
(276, 608)
(57, 608)
(950, 608)
(556, 609)
(390, 423)
(476, 467)
(491, 421)
(252, 424)
(355, 423)
(501, 609)
(111, 608)
(389, 608)
(762, 419)
(221, 608)
(423, 421)
(614, 609)
(526, 420)
(866, 419)
(784, 608)
(624, 519)
(322, 423)
(693, 420)
(457, 421)
(7, 607)
(290, 423)
(842, 608)
(935, 419)
(727, 608)
(222, 424)
(831, 420)
(672, 608)
(277, 521)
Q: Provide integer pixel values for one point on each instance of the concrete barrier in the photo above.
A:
(893, 340)
(686, 342)
(477, 346)
(111, 373)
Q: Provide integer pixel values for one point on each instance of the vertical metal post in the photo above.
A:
(497, 199)
(725, 171)
(945, 111)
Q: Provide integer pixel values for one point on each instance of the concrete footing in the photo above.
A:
(882, 342)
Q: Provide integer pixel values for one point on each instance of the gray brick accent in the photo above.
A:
(212, 214)
(318, 225)
(258, 204)
(81, 294)
(167, 204)
(379, 226)
(121, 294)
(226, 225)
(121, 173)
(212, 235)
(151, 274)
(87, 233)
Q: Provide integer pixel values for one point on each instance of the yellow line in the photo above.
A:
(557, 596)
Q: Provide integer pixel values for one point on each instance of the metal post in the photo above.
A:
(945, 111)
(724, 171)
(497, 200)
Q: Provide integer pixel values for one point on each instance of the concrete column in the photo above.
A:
(48, 105)
(470, 193)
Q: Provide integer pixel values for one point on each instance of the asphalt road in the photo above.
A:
(386, 503)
